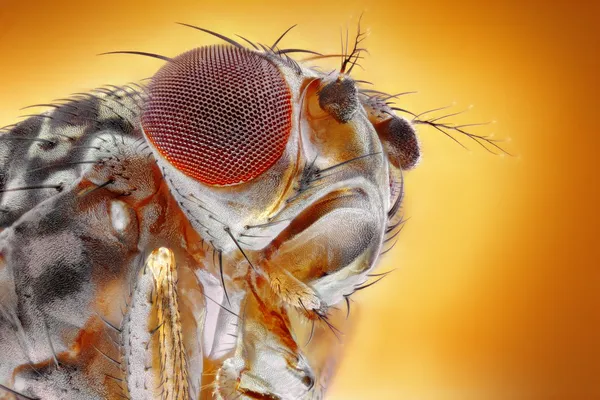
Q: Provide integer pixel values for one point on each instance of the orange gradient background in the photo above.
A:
(497, 282)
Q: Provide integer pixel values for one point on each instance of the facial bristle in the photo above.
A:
(221, 115)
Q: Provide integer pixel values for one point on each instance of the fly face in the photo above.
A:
(240, 134)
(294, 168)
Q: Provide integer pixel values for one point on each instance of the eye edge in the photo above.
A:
(168, 133)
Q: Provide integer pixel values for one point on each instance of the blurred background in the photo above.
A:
(496, 288)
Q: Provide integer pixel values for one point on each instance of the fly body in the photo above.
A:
(197, 236)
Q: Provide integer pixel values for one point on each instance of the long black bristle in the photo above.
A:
(288, 51)
(251, 43)
(239, 247)
(56, 187)
(282, 35)
(139, 53)
(223, 277)
(19, 395)
(225, 38)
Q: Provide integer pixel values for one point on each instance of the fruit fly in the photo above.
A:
(194, 236)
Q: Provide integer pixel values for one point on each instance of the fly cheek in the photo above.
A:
(222, 115)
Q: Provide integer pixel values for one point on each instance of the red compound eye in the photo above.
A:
(222, 115)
